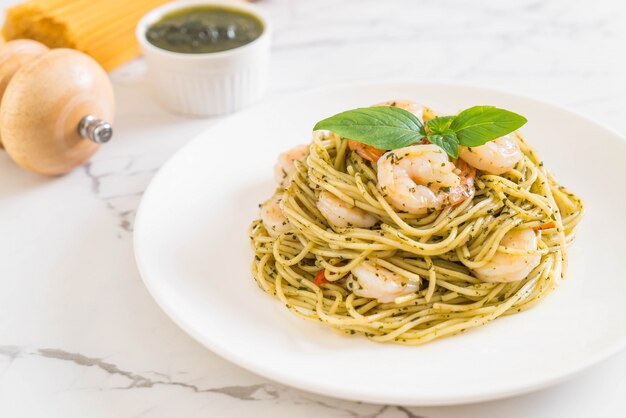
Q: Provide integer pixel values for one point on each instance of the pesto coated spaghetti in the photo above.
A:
(414, 275)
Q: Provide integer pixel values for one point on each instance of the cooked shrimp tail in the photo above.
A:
(420, 178)
(380, 283)
(343, 214)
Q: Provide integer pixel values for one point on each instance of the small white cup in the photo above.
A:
(208, 84)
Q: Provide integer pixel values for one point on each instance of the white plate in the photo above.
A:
(193, 253)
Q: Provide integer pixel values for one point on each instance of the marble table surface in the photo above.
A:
(79, 334)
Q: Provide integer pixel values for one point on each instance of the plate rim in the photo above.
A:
(348, 393)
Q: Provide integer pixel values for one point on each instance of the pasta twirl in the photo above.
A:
(310, 265)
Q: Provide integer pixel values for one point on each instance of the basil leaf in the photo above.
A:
(382, 127)
(480, 124)
(446, 140)
(439, 124)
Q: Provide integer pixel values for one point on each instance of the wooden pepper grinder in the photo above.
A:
(56, 107)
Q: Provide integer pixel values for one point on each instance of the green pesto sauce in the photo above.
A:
(202, 29)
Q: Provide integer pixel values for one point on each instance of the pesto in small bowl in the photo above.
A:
(204, 29)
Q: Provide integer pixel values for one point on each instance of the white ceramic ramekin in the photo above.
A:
(208, 84)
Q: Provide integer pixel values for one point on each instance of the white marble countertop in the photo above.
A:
(79, 334)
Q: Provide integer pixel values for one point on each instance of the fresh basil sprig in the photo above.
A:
(480, 124)
(383, 127)
(386, 127)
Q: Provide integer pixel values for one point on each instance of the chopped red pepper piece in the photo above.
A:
(547, 225)
(320, 279)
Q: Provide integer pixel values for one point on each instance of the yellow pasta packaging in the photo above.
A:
(103, 29)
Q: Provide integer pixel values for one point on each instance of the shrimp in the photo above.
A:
(494, 157)
(343, 214)
(273, 217)
(505, 267)
(367, 152)
(423, 113)
(466, 174)
(379, 283)
(372, 154)
(285, 167)
(419, 178)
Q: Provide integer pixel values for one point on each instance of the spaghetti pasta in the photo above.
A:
(310, 264)
(103, 29)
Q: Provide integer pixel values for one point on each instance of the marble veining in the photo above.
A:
(136, 380)
(79, 334)
(253, 392)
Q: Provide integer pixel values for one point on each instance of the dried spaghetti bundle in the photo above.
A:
(103, 29)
